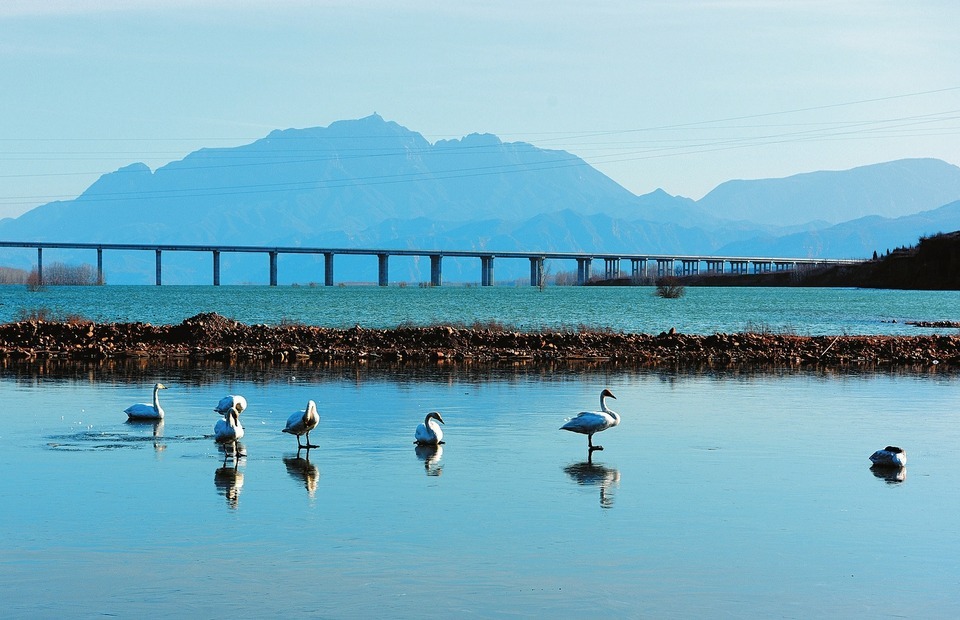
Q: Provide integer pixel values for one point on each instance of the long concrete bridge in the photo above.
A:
(641, 265)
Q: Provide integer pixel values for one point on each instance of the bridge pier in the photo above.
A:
(159, 268)
(536, 271)
(216, 267)
(328, 268)
(39, 266)
(638, 268)
(273, 267)
(690, 267)
(714, 266)
(436, 270)
(486, 271)
(664, 267)
(99, 265)
(583, 270)
(761, 266)
(611, 268)
(784, 265)
(383, 277)
(739, 267)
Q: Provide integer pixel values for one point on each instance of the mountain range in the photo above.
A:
(373, 183)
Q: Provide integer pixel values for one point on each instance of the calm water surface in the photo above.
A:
(726, 495)
(805, 311)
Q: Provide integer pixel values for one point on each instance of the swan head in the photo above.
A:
(435, 415)
(311, 407)
(607, 394)
(159, 386)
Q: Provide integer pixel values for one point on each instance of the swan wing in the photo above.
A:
(295, 424)
(426, 434)
(142, 410)
(587, 422)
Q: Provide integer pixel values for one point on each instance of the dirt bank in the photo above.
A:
(211, 337)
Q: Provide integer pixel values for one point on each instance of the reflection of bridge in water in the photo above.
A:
(641, 265)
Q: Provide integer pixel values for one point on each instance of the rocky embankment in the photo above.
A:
(211, 337)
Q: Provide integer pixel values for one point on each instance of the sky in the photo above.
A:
(680, 95)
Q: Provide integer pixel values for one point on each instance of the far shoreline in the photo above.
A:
(210, 338)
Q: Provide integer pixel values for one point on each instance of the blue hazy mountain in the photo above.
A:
(857, 238)
(373, 183)
(889, 189)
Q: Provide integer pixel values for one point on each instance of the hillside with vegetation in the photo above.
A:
(932, 264)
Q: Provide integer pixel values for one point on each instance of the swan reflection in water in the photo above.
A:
(229, 480)
(303, 470)
(156, 429)
(588, 473)
(430, 455)
(889, 474)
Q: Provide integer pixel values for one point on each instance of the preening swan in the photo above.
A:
(232, 401)
(590, 422)
(229, 429)
(891, 456)
(429, 432)
(143, 411)
(302, 422)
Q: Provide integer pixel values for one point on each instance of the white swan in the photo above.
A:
(590, 422)
(429, 432)
(891, 456)
(229, 429)
(232, 401)
(302, 422)
(143, 411)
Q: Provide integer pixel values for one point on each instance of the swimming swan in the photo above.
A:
(429, 432)
(590, 422)
(143, 411)
(232, 401)
(302, 422)
(891, 456)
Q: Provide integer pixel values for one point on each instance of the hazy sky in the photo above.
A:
(676, 94)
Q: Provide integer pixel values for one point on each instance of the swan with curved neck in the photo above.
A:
(144, 411)
(429, 433)
(590, 422)
(302, 422)
(229, 429)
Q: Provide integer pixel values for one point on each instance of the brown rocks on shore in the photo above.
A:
(211, 337)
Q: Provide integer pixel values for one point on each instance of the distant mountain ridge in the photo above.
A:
(373, 183)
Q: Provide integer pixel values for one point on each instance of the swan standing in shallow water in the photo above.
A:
(143, 411)
(229, 429)
(891, 456)
(590, 422)
(302, 422)
(232, 401)
(429, 432)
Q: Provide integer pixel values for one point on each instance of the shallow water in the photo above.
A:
(804, 311)
(732, 495)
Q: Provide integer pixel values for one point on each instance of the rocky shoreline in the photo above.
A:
(214, 338)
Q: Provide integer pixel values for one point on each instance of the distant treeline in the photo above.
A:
(54, 274)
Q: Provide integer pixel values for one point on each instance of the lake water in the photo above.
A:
(805, 311)
(726, 495)
(730, 494)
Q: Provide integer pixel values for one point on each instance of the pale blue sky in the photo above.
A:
(678, 94)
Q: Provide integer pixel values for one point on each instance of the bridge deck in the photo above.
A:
(690, 263)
